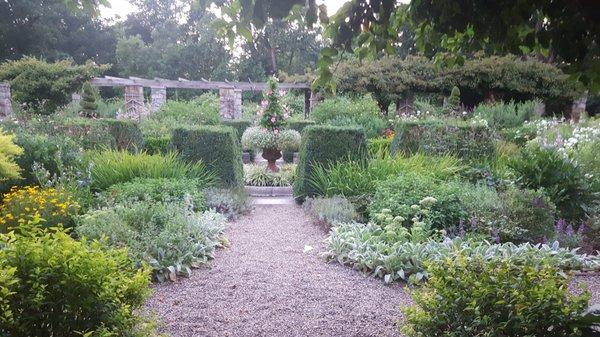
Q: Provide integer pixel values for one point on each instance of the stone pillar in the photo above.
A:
(539, 108)
(237, 104)
(227, 102)
(578, 107)
(75, 98)
(314, 100)
(158, 97)
(134, 103)
(5, 100)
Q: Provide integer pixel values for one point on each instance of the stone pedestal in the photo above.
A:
(578, 108)
(230, 103)
(158, 98)
(75, 98)
(5, 100)
(135, 108)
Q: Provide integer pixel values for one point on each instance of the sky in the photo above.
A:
(120, 8)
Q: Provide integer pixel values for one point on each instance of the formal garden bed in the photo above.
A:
(441, 190)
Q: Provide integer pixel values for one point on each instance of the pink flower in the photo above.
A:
(286, 116)
(276, 131)
(273, 119)
(281, 92)
(264, 103)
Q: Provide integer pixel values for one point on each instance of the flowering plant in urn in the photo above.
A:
(270, 135)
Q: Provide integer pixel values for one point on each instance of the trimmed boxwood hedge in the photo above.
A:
(216, 146)
(299, 125)
(158, 145)
(323, 144)
(239, 125)
(438, 137)
(102, 133)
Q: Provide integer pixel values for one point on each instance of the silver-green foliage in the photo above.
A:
(259, 138)
(362, 247)
(330, 210)
(170, 237)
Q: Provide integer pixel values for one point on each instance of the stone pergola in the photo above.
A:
(230, 93)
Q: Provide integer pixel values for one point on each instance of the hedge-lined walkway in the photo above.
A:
(265, 284)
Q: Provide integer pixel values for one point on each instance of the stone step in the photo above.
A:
(273, 201)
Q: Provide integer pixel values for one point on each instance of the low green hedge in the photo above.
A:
(102, 133)
(322, 144)
(158, 145)
(216, 146)
(239, 125)
(438, 137)
(299, 125)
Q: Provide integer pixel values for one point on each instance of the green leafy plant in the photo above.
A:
(453, 100)
(98, 291)
(562, 179)
(170, 237)
(161, 190)
(113, 167)
(467, 296)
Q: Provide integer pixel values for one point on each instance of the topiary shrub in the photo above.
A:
(324, 145)
(158, 145)
(89, 107)
(217, 147)
(436, 137)
(97, 291)
(453, 100)
(102, 133)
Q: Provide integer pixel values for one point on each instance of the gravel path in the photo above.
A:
(264, 284)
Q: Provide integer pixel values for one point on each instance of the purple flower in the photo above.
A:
(560, 225)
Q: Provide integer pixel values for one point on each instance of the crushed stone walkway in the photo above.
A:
(267, 284)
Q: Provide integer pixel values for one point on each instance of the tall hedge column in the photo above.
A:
(158, 97)
(134, 102)
(5, 101)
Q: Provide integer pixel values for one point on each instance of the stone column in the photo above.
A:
(134, 103)
(5, 100)
(314, 100)
(158, 97)
(237, 104)
(227, 102)
(405, 106)
(578, 107)
(75, 98)
(540, 108)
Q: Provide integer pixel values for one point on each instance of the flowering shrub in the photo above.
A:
(22, 205)
(270, 110)
(260, 138)
(8, 151)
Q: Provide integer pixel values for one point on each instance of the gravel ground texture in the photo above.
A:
(266, 284)
(269, 283)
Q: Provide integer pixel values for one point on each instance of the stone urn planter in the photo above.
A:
(271, 155)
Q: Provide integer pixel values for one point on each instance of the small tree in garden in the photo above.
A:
(271, 135)
(273, 118)
(89, 107)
